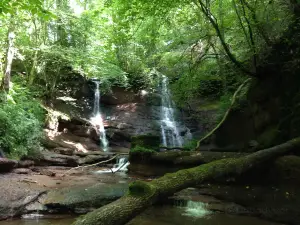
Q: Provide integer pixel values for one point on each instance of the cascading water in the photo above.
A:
(97, 118)
(169, 128)
(120, 166)
(196, 209)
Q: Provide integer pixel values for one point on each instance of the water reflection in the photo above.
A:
(192, 214)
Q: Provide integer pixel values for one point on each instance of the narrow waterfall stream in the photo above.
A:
(169, 127)
(97, 119)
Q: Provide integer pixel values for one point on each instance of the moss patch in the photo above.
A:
(140, 188)
(147, 141)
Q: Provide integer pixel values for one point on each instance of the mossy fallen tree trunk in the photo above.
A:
(142, 195)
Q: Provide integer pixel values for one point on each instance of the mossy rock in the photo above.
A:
(140, 154)
(147, 141)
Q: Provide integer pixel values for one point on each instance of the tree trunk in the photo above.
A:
(142, 195)
(9, 59)
(206, 11)
(33, 68)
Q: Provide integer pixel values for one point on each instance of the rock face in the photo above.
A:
(125, 114)
(50, 158)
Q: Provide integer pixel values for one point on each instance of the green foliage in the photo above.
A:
(224, 105)
(148, 141)
(21, 120)
(121, 42)
(190, 145)
(140, 149)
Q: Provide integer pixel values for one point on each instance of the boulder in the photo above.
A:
(6, 165)
(22, 171)
(63, 151)
(25, 163)
(42, 171)
(90, 159)
(47, 158)
(83, 199)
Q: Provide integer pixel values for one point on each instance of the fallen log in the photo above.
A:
(142, 195)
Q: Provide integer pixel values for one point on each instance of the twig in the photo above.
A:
(96, 164)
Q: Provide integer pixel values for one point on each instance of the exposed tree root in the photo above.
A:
(225, 115)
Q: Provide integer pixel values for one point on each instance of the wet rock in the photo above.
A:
(14, 205)
(47, 158)
(68, 140)
(22, 171)
(90, 159)
(84, 154)
(25, 163)
(7, 165)
(42, 171)
(64, 151)
(83, 199)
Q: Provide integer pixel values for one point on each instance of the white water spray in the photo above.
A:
(169, 128)
(120, 166)
(97, 119)
(196, 209)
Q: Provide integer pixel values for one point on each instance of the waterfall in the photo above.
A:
(97, 119)
(169, 128)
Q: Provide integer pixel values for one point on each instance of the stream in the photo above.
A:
(160, 215)
(187, 210)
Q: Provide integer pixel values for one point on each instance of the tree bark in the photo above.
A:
(142, 195)
(5, 85)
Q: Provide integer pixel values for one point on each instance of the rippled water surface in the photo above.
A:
(194, 214)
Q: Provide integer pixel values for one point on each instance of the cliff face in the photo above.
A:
(125, 112)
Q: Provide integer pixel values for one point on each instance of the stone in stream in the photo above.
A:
(83, 199)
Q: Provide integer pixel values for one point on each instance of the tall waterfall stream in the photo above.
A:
(97, 119)
(170, 128)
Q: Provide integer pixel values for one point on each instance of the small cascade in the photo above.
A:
(97, 119)
(169, 128)
(196, 209)
(120, 166)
